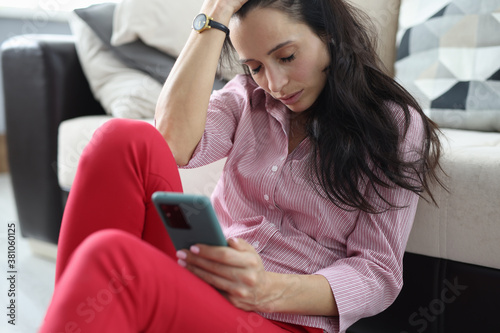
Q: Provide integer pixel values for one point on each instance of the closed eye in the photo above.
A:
(291, 58)
(256, 70)
(288, 59)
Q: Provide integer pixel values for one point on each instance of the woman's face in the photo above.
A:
(285, 57)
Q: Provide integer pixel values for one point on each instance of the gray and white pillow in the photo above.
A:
(127, 78)
(449, 59)
(135, 54)
(123, 91)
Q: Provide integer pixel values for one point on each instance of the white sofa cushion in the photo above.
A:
(163, 24)
(466, 226)
(74, 135)
(123, 91)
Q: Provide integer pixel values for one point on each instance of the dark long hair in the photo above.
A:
(356, 138)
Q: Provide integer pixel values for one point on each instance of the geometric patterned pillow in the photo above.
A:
(449, 59)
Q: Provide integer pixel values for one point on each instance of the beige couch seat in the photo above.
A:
(74, 134)
(466, 226)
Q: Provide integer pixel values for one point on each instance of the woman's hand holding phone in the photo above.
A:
(237, 271)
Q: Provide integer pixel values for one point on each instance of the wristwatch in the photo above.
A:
(203, 22)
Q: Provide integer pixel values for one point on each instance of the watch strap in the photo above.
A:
(217, 25)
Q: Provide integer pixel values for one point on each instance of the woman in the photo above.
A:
(326, 159)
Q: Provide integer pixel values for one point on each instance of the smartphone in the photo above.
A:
(189, 219)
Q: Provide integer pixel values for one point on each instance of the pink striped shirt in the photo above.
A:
(263, 197)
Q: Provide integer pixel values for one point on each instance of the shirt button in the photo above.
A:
(255, 244)
(274, 168)
(271, 207)
(266, 197)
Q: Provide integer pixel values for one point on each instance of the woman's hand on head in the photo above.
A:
(223, 8)
(236, 271)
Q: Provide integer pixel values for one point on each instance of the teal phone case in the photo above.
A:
(189, 219)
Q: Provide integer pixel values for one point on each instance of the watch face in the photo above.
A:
(199, 22)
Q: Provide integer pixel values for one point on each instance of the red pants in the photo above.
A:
(116, 269)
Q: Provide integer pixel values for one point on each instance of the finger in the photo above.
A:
(242, 276)
(224, 255)
(215, 280)
(236, 293)
(227, 272)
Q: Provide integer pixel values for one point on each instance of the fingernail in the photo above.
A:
(194, 249)
(181, 263)
(235, 240)
(181, 255)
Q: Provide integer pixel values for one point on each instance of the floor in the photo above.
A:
(34, 277)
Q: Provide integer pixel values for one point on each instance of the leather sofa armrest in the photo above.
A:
(43, 85)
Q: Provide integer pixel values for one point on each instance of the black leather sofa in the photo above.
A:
(44, 85)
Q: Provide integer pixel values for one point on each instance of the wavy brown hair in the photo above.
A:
(356, 138)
